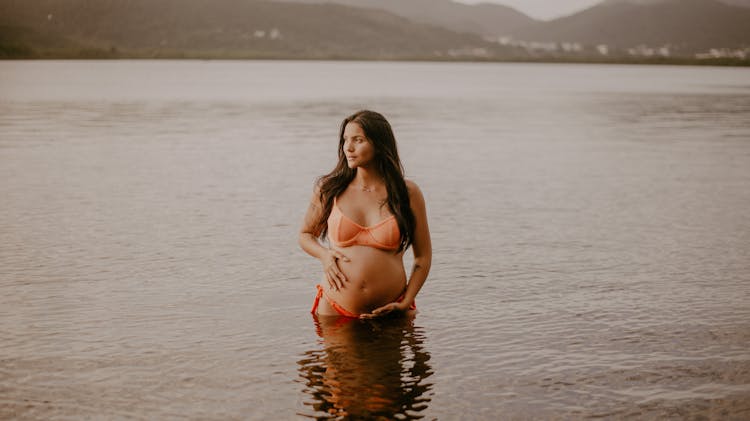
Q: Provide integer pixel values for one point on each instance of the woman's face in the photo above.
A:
(358, 149)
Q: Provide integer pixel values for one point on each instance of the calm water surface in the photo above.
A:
(590, 226)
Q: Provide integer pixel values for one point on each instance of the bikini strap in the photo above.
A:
(317, 300)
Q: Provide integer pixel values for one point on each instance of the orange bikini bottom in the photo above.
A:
(341, 310)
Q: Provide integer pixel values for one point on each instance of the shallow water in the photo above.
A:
(590, 230)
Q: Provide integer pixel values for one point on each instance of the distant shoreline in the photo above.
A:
(97, 54)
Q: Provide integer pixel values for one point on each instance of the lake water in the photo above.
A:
(590, 225)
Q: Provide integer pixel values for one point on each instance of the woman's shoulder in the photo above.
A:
(317, 186)
(411, 185)
(413, 189)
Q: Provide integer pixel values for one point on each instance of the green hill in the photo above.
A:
(486, 19)
(226, 29)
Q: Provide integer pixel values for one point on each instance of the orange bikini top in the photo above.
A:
(344, 232)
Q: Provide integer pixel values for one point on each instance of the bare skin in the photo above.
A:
(362, 279)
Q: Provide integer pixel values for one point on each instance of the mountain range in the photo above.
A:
(686, 26)
(223, 28)
(359, 29)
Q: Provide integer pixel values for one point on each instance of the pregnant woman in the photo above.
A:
(370, 215)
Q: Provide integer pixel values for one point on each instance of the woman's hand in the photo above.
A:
(386, 309)
(331, 269)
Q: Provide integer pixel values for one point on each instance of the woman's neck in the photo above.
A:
(367, 177)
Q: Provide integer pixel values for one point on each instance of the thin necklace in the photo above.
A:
(364, 188)
(367, 189)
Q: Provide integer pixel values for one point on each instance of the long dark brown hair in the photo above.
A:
(379, 133)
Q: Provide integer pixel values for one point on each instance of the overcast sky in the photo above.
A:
(542, 9)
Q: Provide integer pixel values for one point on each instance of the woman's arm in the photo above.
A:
(421, 245)
(308, 241)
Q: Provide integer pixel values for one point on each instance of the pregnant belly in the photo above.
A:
(374, 278)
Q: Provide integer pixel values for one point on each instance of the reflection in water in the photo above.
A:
(366, 369)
